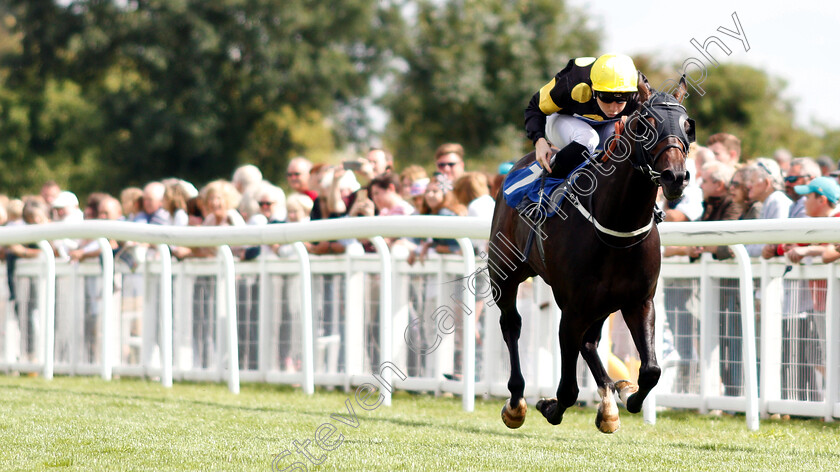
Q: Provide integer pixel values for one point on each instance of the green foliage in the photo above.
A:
(470, 69)
(743, 101)
(102, 94)
(831, 143)
(180, 87)
(62, 131)
(282, 135)
(746, 102)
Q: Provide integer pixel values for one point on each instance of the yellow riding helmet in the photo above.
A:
(614, 73)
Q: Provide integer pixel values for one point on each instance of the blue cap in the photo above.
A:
(505, 167)
(825, 186)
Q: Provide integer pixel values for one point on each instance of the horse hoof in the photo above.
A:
(608, 424)
(608, 427)
(548, 408)
(607, 420)
(514, 417)
(625, 389)
(545, 403)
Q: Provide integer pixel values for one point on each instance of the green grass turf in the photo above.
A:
(82, 423)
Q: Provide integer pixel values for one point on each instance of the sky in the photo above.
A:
(797, 41)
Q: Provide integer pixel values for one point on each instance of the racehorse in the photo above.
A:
(600, 253)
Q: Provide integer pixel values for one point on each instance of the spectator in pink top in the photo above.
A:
(385, 193)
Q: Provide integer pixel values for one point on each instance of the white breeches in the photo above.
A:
(561, 130)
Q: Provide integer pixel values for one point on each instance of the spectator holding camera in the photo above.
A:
(438, 200)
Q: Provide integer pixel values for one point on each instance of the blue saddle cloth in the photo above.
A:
(523, 186)
(523, 183)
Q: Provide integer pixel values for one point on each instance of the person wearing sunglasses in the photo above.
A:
(297, 177)
(449, 160)
(802, 171)
(739, 192)
(575, 110)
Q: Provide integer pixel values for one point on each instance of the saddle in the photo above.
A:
(537, 195)
(531, 190)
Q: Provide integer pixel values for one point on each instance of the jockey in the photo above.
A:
(576, 110)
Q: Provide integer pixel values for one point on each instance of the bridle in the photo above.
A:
(669, 117)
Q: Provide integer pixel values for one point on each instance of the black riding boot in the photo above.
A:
(566, 159)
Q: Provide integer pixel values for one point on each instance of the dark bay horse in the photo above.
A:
(599, 253)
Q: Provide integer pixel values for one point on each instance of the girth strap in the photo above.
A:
(619, 234)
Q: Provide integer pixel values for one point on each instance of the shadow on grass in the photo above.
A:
(692, 416)
(291, 399)
(156, 399)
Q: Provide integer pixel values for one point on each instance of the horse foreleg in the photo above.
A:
(515, 408)
(606, 420)
(641, 320)
(567, 391)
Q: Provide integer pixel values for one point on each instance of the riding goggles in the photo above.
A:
(611, 97)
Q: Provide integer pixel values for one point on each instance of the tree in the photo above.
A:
(740, 100)
(45, 121)
(182, 87)
(830, 143)
(213, 71)
(470, 68)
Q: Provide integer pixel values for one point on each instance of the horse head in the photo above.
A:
(662, 131)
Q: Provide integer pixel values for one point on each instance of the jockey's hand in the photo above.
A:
(543, 153)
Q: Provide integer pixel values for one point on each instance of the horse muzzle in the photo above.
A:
(673, 183)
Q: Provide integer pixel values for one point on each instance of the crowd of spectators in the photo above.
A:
(368, 186)
(777, 187)
(726, 189)
(761, 188)
(723, 187)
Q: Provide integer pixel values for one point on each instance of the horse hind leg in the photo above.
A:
(607, 420)
(570, 334)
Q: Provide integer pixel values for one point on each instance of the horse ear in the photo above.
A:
(643, 88)
(682, 90)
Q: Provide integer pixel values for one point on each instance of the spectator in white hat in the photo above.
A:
(66, 209)
(66, 206)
